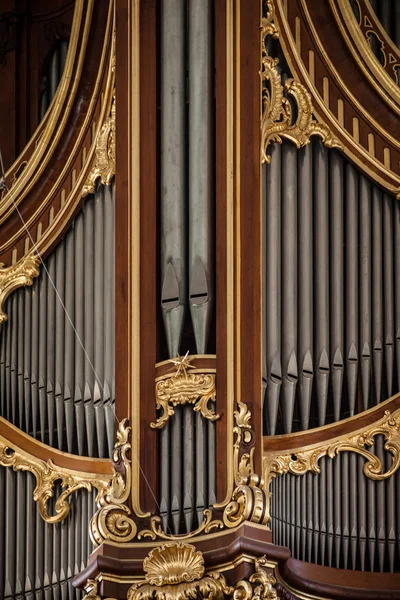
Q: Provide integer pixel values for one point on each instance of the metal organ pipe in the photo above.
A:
(187, 443)
(347, 234)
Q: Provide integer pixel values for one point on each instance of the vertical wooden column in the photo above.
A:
(248, 213)
(238, 226)
(136, 239)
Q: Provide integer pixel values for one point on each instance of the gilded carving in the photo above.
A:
(176, 571)
(307, 459)
(47, 474)
(184, 388)
(18, 275)
(113, 519)
(279, 120)
(104, 165)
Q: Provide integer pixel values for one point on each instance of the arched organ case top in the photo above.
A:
(187, 444)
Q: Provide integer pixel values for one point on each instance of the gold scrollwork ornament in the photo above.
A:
(104, 165)
(176, 571)
(47, 474)
(15, 276)
(307, 459)
(279, 120)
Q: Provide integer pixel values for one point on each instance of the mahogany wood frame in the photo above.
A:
(247, 244)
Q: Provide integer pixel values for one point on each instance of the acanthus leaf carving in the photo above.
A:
(15, 276)
(279, 119)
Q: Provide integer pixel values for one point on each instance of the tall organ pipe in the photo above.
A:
(201, 236)
(173, 231)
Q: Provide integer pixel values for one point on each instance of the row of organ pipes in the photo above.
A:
(187, 444)
(57, 385)
(331, 344)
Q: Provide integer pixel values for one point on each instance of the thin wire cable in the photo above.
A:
(3, 185)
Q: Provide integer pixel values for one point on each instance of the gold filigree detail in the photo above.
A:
(249, 499)
(104, 165)
(260, 585)
(306, 459)
(47, 474)
(184, 388)
(18, 275)
(113, 519)
(156, 531)
(279, 120)
(176, 571)
(91, 589)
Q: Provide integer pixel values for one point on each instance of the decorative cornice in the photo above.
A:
(279, 120)
(18, 275)
(47, 473)
(104, 165)
(176, 571)
(182, 388)
(301, 460)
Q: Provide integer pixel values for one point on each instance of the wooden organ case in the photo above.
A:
(199, 300)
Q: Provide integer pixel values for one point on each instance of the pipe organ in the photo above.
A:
(199, 301)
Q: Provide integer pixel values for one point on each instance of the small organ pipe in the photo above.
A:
(321, 258)
(336, 279)
(377, 291)
(388, 290)
(365, 288)
(59, 342)
(68, 376)
(27, 345)
(50, 350)
(305, 282)
(289, 283)
(88, 257)
(351, 203)
(273, 286)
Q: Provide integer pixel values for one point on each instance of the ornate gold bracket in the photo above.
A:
(47, 474)
(18, 275)
(182, 388)
(279, 120)
(104, 165)
(115, 520)
(300, 461)
(176, 571)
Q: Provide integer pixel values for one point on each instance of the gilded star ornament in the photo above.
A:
(182, 364)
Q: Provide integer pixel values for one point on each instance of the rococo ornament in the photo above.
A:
(18, 275)
(182, 388)
(47, 474)
(306, 459)
(176, 571)
(279, 120)
(115, 520)
(104, 165)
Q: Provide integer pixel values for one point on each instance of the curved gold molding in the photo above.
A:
(300, 460)
(176, 571)
(47, 473)
(278, 120)
(356, 147)
(104, 165)
(360, 47)
(18, 275)
(115, 519)
(181, 388)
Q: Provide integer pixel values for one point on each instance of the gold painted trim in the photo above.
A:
(302, 459)
(176, 571)
(363, 55)
(355, 152)
(16, 276)
(47, 473)
(181, 387)
(277, 114)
